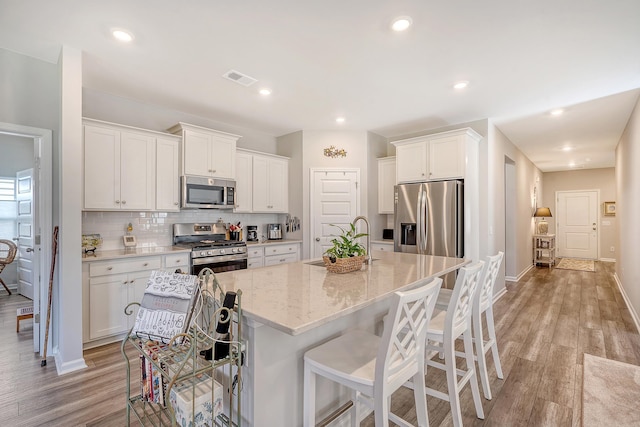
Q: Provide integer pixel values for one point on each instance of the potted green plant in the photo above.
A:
(346, 254)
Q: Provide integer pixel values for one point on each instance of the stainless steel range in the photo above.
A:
(209, 247)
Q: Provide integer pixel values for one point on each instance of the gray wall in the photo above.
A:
(589, 179)
(627, 207)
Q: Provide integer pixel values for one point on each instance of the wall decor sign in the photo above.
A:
(334, 152)
(610, 208)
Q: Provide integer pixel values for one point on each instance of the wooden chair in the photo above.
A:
(483, 303)
(444, 328)
(374, 367)
(8, 251)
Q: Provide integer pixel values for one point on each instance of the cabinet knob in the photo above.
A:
(124, 202)
(317, 239)
(109, 268)
(117, 201)
(177, 261)
(423, 174)
(274, 250)
(175, 203)
(145, 264)
(214, 171)
(283, 260)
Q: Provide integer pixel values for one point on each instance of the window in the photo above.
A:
(7, 189)
(8, 212)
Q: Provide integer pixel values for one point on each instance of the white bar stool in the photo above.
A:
(374, 367)
(483, 303)
(444, 328)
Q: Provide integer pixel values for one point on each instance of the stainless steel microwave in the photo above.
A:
(207, 193)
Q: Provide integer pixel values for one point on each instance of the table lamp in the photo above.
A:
(543, 226)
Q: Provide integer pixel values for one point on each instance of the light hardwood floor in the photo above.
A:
(545, 323)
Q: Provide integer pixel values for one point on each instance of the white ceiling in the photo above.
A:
(329, 58)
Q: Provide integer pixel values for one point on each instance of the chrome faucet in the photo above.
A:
(366, 221)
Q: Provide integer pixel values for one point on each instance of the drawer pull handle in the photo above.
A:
(283, 260)
(145, 264)
(178, 261)
(109, 268)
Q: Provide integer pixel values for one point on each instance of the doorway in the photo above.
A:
(38, 143)
(510, 207)
(577, 224)
(334, 200)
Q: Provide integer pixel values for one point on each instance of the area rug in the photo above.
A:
(576, 264)
(610, 393)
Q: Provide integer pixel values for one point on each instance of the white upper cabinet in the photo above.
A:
(386, 182)
(167, 175)
(127, 168)
(207, 152)
(434, 157)
(119, 168)
(270, 184)
(446, 157)
(244, 183)
(411, 161)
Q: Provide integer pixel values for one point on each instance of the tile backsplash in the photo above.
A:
(156, 228)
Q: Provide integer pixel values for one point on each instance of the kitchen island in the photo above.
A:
(291, 308)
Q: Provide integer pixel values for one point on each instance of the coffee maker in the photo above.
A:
(252, 233)
(274, 231)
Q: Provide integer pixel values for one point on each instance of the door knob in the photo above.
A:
(317, 239)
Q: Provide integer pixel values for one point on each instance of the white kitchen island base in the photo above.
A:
(291, 308)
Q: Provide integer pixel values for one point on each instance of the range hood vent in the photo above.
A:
(238, 77)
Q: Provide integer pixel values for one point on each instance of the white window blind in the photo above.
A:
(7, 189)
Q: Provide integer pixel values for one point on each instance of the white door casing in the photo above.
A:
(577, 224)
(26, 238)
(334, 199)
(42, 140)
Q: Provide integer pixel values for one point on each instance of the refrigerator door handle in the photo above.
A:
(419, 223)
(425, 222)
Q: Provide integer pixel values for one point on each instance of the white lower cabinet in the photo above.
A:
(255, 257)
(273, 254)
(281, 254)
(109, 286)
(382, 246)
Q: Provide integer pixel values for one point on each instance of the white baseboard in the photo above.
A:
(68, 367)
(520, 276)
(499, 295)
(607, 259)
(634, 314)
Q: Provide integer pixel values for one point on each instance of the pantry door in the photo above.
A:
(334, 201)
(577, 224)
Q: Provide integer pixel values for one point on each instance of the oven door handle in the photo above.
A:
(217, 259)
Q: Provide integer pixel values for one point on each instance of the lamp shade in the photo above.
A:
(542, 213)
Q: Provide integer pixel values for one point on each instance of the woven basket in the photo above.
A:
(344, 265)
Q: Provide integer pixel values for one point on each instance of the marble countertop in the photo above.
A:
(134, 252)
(297, 297)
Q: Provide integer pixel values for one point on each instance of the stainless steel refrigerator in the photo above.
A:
(429, 219)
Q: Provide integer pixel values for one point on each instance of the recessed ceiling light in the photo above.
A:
(339, 119)
(401, 23)
(122, 35)
(557, 112)
(567, 148)
(461, 85)
(265, 91)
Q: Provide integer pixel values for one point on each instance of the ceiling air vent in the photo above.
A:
(241, 79)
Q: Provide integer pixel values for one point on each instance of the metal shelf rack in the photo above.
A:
(179, 359)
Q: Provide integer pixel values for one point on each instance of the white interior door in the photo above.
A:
(334, 200)
(26, 258)
(577, 224)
